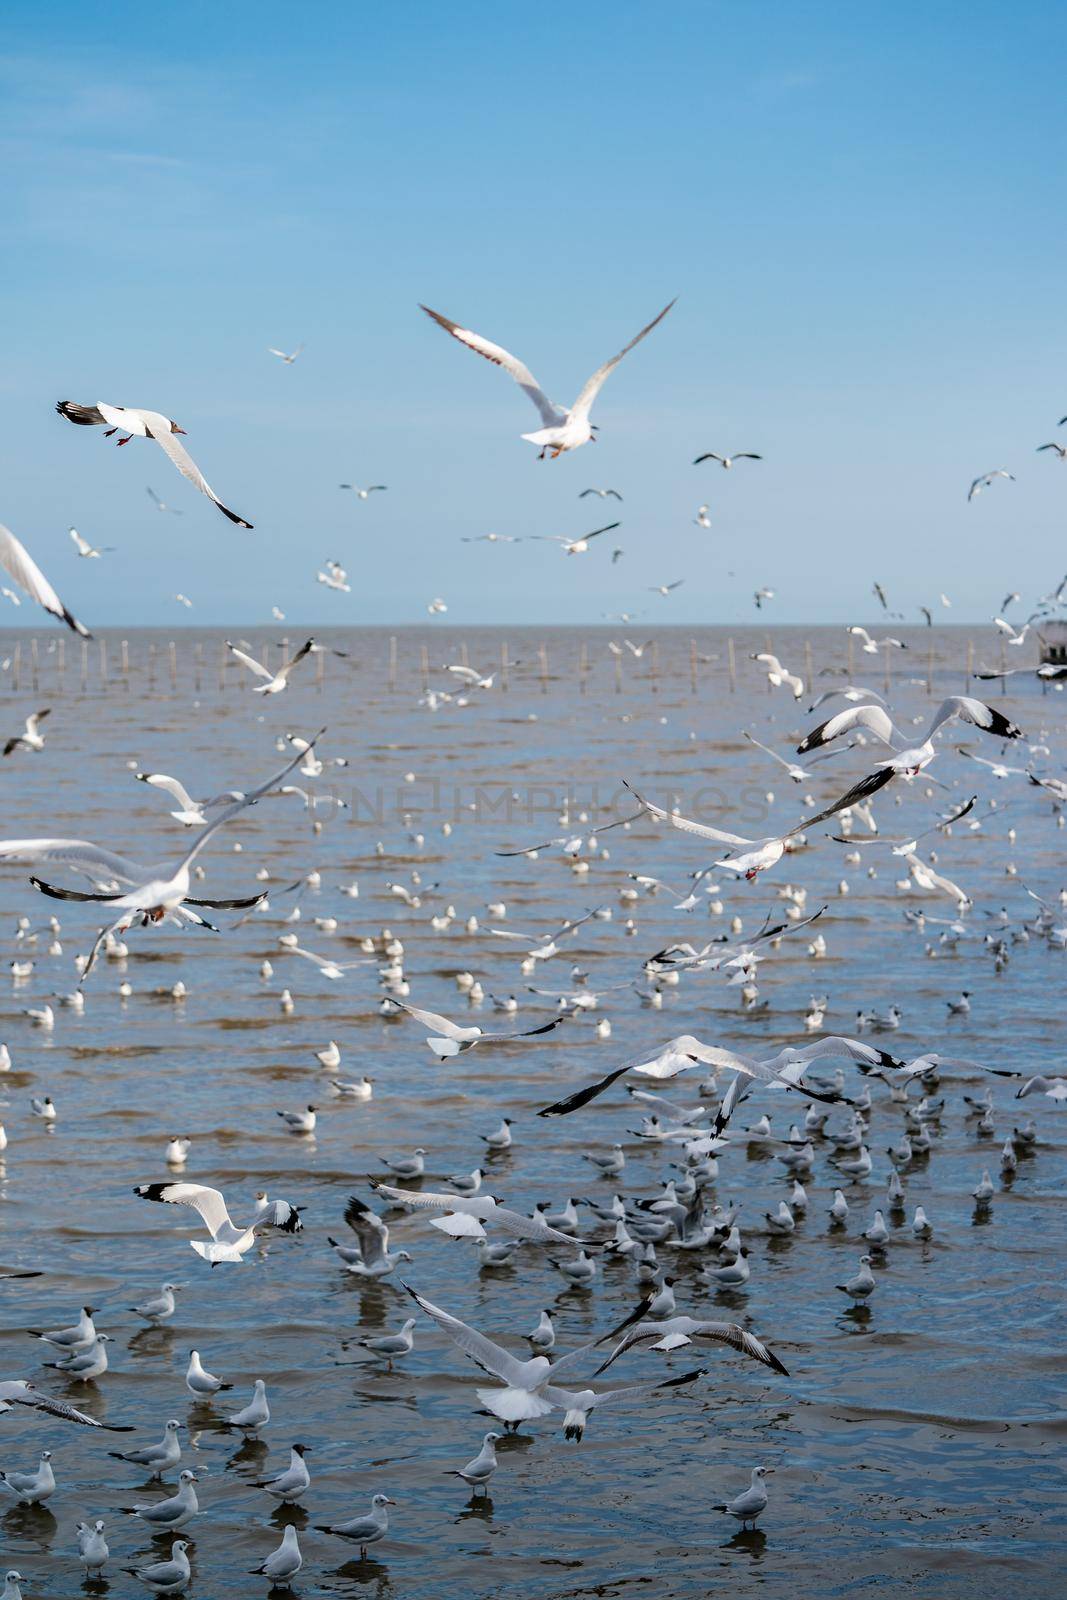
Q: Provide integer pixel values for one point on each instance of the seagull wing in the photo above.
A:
(492, 1358)
(372, 1234)
(208, 1202)
(305, 649)
(431, 1020)
(521, 1227)
(160, 780)
(593, 386)
(550, 414)
(170, 444)
(247, 799)
(78, 854)
(20, 565)
(699, 828)
(60, 1409)
(724, 1332)
(564, 1398)
(855, 796)
(968, 709)
(872, 717)
(250, 662)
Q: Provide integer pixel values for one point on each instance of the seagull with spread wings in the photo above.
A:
(726, 462)
(135, 422)
(288, 357)
(154, 893)
(17, 1392)
(530, 1388)
(908, 758)
(463, 1216)
(563, 428)
(275, 681)
(448, 1038)
(85, 549)
(229, 1240)
(574, 547)
(986, 479)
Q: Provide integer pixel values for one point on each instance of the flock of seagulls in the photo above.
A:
(662, 1264)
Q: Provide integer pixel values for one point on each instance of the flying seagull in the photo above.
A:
(21, 567)
(574, 547)
(275, 681)
(726, 462)
(601, 493)
(288, 359)
(986, 479)
(448, 1038)
(84, 548)
(140, 424)
(154, 892)
(564, 429)
(361, 494)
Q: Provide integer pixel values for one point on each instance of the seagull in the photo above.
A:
(23, 570)
(752, 1502)
(665, 588)
(674, 1332)
(170, 1576)
(448, 1038)
(489, 538)
(910, 759)
(176, 1511)
(253, 1417)
(156, 892)
(778, 675)
(327, 967)
(284, 1562)
(161, 505)
(1061, 450)
(1011, 634)
(335, 577)
(574, 547)
(282, 356)
(93, 1552)
(32, 1488)
(761, 595)
(228, 1241)
(871, 646)
(361, 494)
(291, 1485)
(190, 812)
(159, 1457)
(393, 1346)
(726, 462)
(146, 425)
(862, 1285)
(275, 681)
(986, 479)
(159, 1308)
(464, 1215)
(564, 429)
(529, 1388)
(365, 1530)
(601, 493)
(200, 1383)
(371, 1256)
(478, 1472)
(702, 518)
(79, 1336)
(84, 548)
(468, 674)
(30, 738)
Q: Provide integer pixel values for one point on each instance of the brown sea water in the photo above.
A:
(917, 1449)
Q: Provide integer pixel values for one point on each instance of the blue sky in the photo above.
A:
(859, 209)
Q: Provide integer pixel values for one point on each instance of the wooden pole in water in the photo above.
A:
(887, 650)
(424, 667)
(320, 670)
(692, 666)
(103, 662)
(151, 666)
(732, 660)
(198, 662)
(125, 656)
(809, 665)
(464, 657)
(654, 666)
(85, 664)
(16, 667)
(851, 648)
(172, 653)
(504, 680)
(930, 667)
(970, 667)
(33, 662)
(542, 651)
(618, 674)
(392, 661)
(583, 666)
(61, 659)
